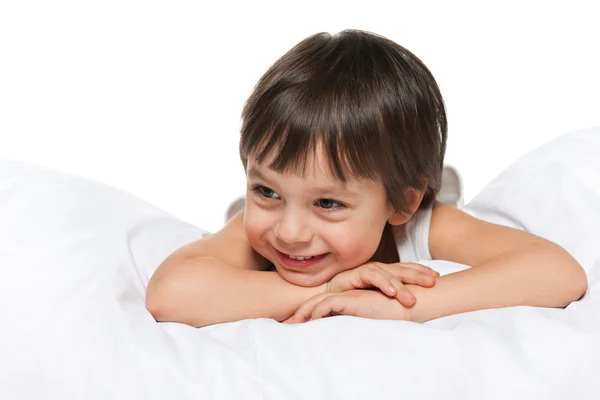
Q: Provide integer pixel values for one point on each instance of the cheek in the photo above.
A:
(256, 224)
(354, 245)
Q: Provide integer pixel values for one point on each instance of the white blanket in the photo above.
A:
(76, 256)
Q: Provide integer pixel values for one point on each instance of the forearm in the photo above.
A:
(206, 291)
(543, 276)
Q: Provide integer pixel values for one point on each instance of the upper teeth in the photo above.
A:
(300, 258)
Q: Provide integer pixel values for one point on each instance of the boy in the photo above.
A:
(343, 141)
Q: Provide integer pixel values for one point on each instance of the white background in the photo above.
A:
(146, 96)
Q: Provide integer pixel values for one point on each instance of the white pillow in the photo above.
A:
(75, 259)
(76, 256)
(48, 216)
(553, 192)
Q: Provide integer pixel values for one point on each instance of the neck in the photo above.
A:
(387, 252)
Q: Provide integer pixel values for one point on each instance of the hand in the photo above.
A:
(388, 278)
(359, 303)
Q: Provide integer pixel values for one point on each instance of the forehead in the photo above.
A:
(315, 167)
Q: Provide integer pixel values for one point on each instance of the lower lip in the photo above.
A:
(290, 262)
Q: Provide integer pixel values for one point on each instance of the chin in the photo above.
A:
(301, 279)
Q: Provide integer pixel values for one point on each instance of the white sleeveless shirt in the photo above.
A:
(412, 238)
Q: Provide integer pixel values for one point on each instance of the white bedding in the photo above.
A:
(75, 257)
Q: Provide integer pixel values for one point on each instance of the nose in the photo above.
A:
(292, 227)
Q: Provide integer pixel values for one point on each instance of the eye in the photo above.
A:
(330, 204)
(265, 192)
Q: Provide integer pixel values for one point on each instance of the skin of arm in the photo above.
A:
(216, 279)
(509, 268)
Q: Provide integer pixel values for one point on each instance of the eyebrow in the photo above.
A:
(320, 191)
(254, 173)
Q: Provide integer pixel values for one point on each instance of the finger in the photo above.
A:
(423, 268)
(403, 295)
(379, 278)
(362, 277)
(305, 310)
(294, 319)
(415, 266)
(406, 298)
(331, 305)
(410, 276)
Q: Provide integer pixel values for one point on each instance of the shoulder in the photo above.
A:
(451, 229)
(230, 245)
(457, 236)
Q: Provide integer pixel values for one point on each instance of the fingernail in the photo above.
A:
(391, 289)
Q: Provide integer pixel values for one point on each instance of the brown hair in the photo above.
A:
(372, 105)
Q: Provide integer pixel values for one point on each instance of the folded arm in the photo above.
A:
(221, 279)
(204, 291)
(509, 268)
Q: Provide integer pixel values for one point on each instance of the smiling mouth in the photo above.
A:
(300, 261)
(301, 258)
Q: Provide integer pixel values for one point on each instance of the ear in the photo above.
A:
(414, 198)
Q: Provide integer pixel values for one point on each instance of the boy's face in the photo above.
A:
(339, 225)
